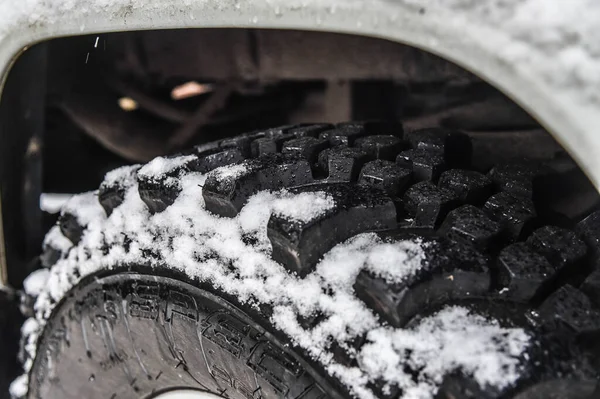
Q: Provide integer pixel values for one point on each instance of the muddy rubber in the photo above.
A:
(494, 253)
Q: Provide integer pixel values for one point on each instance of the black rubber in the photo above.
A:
(10, 320)
(494, 253)
(172, 334)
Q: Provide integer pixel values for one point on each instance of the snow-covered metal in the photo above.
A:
(545, 55)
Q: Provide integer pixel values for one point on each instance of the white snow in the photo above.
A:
(231, 172)
(18, 388)
(160, 166)
(209, 248)
(57, 240)
(30, 332)
(34, 283)
(449, 340)
(303, 207)
(385, 261)
(85, 207)
(52, 203)
(123, 176)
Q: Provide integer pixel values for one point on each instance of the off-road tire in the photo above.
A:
(151, 328)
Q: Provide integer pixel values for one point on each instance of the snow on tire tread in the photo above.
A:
(187, 238)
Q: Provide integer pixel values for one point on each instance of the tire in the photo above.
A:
(317, 261)
(10, 320)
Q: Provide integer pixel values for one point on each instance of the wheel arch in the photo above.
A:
(454, 34)
(451, 33)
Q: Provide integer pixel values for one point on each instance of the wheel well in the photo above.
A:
(104, 100)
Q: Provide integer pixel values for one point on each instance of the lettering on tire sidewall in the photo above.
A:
(130, 335)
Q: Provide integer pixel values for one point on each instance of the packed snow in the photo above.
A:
(437, 345)
(18, 388)
(52, 203)
(187, 238)
(158, 167)
(34, 283)
(55, 239)
(230, 172)
(84, 207)
(397, 262)
(303, 207)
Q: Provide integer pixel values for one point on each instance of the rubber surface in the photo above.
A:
(173, 334)
(494, 253)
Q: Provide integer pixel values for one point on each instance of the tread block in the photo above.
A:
(382, 297)
(306, 147)
(158, 195)
(522, 272)
(469, 186)
(204, 148)
(271, 133)
(454, 146)
(450, 272)
(380, 146)
(50, 256)
(560, 246)
(515, 212)
(159, 192)
(208, 162)
(112, 193)
(227, 189)
(312, 130)
(343, 135)
(268, 145)
(516, 178)
(428, 204)
(591, 286)
(589, 230)
(110, 197)
(299, 244)
(386, 176)
(342, 163)
(571, 307)
(426, 165)
(70, 227)
(376, 127)
(471, 225)
(274, 138)
(242, 143)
